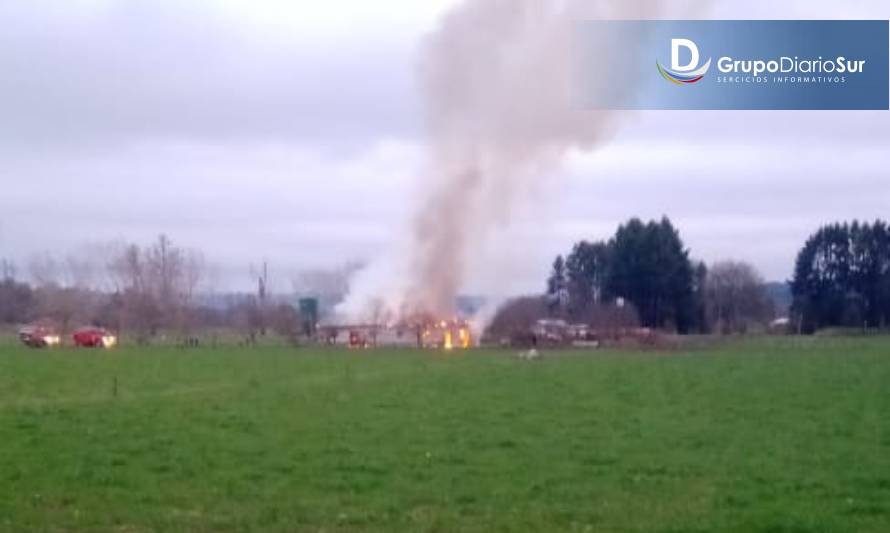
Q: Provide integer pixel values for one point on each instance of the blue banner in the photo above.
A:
(735, 64)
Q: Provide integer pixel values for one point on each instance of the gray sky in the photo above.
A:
(290, 130)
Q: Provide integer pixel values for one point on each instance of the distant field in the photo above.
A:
(786, 435)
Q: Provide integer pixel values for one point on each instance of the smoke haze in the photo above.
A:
(500, 88)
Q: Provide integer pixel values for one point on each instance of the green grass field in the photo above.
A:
(786, 435)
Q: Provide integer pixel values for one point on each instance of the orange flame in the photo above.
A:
(464, 335)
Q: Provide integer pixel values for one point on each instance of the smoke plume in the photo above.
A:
(501, 89)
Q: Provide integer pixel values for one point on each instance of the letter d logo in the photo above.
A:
(688, 73)
(675, 55)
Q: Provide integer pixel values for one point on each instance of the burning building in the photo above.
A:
(447, 335)
(428, 334)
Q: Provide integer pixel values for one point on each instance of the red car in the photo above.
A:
(94, 338)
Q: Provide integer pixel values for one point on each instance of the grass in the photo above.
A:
(787, 436)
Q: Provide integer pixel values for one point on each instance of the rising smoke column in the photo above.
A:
(501, 83)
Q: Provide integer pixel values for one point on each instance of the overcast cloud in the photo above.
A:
(292, 131)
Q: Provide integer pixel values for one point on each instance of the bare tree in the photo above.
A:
(16, 298)
(245, 316)
(133, 304)
(125, 268)
(286, 321)
(165, 268)
(735, 297)
(128, 288)
(58, 298)
(44, 269)
(79, 270)
(155, 287)
(7, 270)
(515, 319)
(262, 294)
(611, 319)
(193, 273)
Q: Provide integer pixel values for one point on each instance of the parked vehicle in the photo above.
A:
(39, 336)
(92, 337)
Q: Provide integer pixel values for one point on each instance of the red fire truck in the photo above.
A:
(39, 336)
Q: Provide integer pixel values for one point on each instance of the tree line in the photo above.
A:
(642, 275)
(143, 292)
(646, 266)
(842, 277)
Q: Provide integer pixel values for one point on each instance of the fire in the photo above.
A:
(448, 335)
(444, 334)
(464, 335)
(427, 333)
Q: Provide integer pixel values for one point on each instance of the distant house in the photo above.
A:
(780, 325)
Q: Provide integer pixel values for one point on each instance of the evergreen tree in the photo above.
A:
(644, 263)
(650, 267)
(586, 270)
(842, 277)
(556, 283)
(556, 287)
